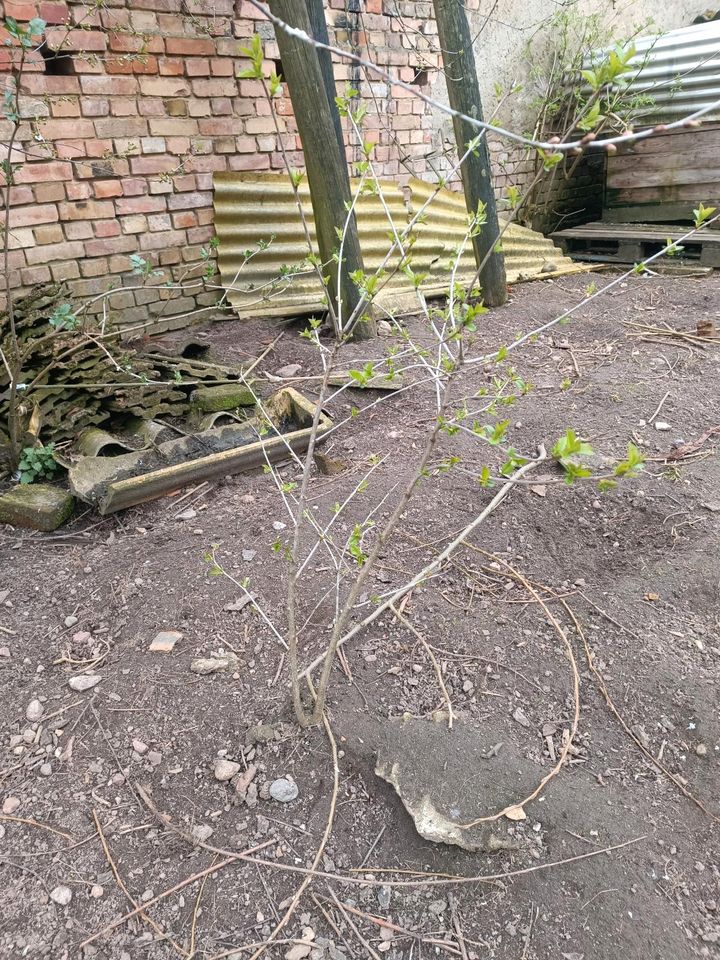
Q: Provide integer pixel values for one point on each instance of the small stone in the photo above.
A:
(165, 641)
(188, 514)
(10, 806)
(262, 733)
(36, 506)
(437, 907)
(249, 555)
(244, 780)
(96, 891)
(71, 621)
(289, 370)
(34, 711)
(140, 747)
(83, 682)
(662, 426)
(284, 790)
(5, 652)
(61, 895)
(279, 525)
(520, 716)
(299, 951)
(202, 832)
(206, 665)
(154, 758)
(225, 770)
(45, 770)
(701, 750)
(384, 328)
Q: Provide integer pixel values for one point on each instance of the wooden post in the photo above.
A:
(318, 25)
(464, 96)
(325, 161)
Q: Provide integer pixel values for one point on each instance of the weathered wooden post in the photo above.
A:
(325, 161)
(464, 96)
(318, 25)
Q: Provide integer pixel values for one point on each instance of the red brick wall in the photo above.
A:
(123, 132)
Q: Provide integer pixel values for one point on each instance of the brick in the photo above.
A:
(132, 187)
(176, 108)
(46, 192)
(68, 250)
(249, 161)
(184, 219)
(65, 108)
(50, 233)
(123, 107)
(129, 43)
(221, 68)
(127, 205)
(20, 239)
(29, 216)
(78, 190)
(127, 127)
(105, 86)
(88, 41)
(164, 87)
(159, 221)
(214, 88)
(163, 240)
(53, 12)
(189, 48)
(99, 248)
(198, 67)
(171, 68)
(137, 223)
(32, 275)
(97, 267)
(107, 188)
(152, 165)
(45, 84)
(106, 228)
(78, 230)
(39, 172)
(68, 270)
(168, 128)
(199, 108)
(68, 129)
(190, 201)
(86, 210)
(153, 145)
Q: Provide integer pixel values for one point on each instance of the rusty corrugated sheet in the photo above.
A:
(250, 208)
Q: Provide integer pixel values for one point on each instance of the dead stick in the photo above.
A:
(433, 658)
(614, 710)
(245, 855)
(36, 823)
(119, 880)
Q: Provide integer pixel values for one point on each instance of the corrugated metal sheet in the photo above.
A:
(680, 70)
(250, 208)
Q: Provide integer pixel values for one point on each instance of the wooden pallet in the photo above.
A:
(634, 242)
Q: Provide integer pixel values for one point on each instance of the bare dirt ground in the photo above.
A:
(646, 554)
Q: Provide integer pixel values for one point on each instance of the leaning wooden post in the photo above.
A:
(318, 25)
(464, 96)
(325, 161)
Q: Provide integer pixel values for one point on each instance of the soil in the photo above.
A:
(93, 596)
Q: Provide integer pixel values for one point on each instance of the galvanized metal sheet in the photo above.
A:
(267, 280)
(679, 70)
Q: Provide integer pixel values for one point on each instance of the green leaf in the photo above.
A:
(703, 214)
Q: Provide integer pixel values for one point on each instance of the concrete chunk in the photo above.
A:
(37, 506)
(226, 396)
